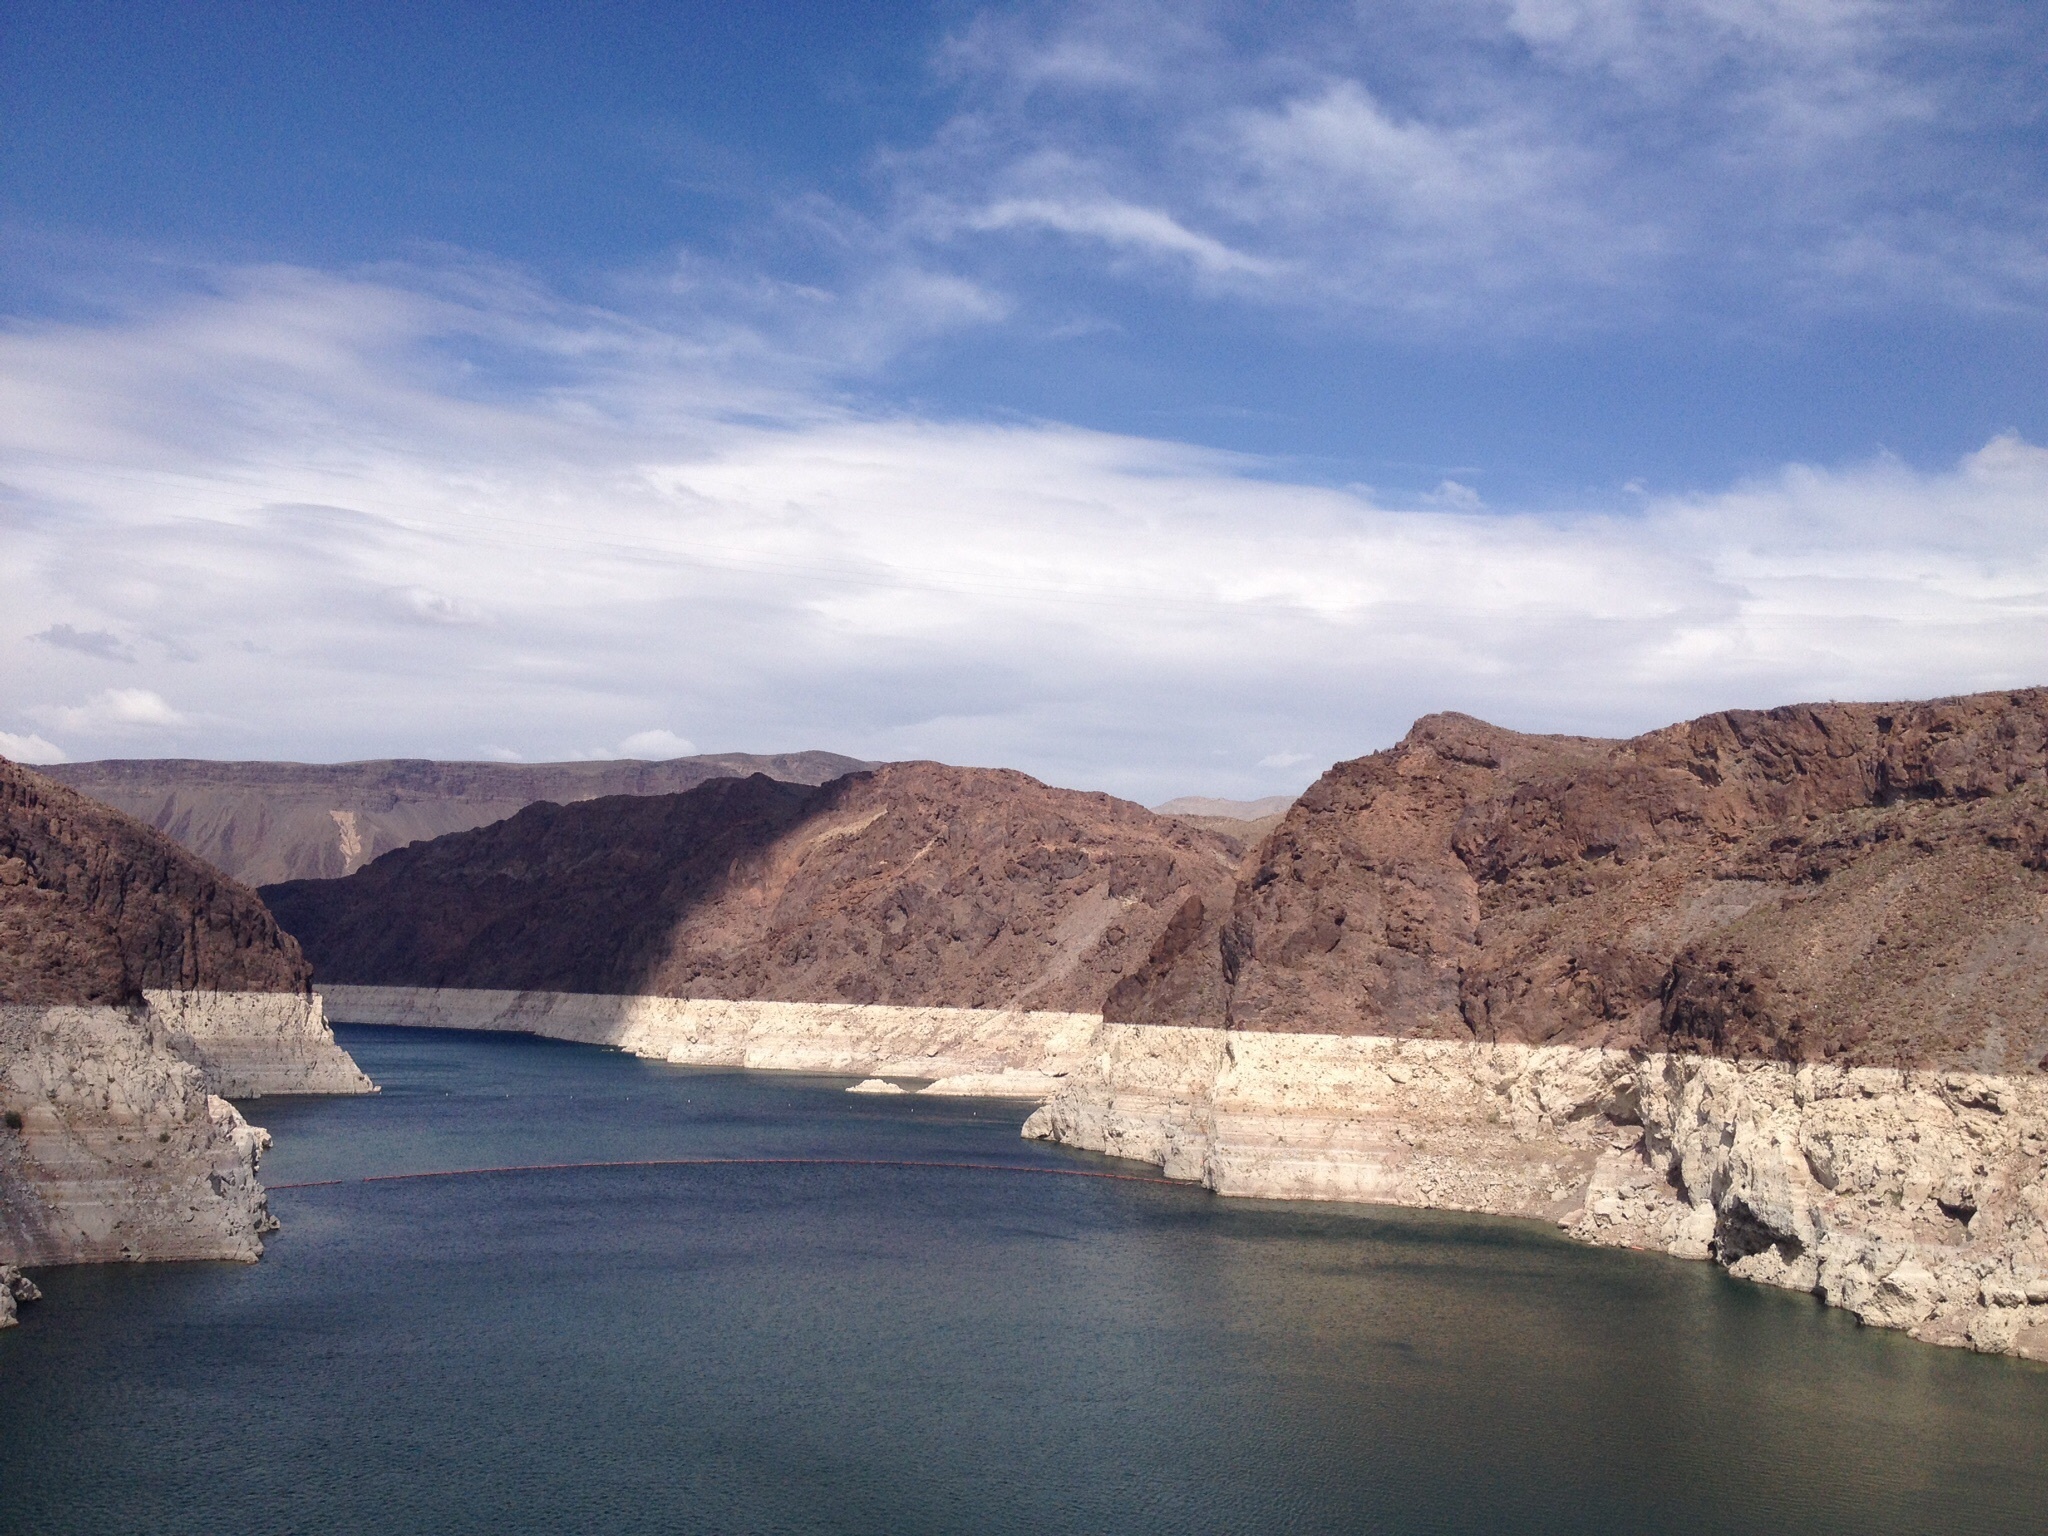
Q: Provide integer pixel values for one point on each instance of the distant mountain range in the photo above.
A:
(1227, 810)
(266, 822)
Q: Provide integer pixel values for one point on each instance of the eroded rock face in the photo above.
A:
(120, 1151)
(96, 908)
(136, 986)
(1860, 884)
(913, 884)
(1916, 1200)
(267, 822)
(15, 1288)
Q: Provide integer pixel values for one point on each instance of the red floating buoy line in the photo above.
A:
(739, 1162)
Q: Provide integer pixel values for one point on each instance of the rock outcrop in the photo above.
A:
(266, 822)
(113, 1148)
(137, 985)
(15, 1287)
(1917, 1200)
(912, 884)
(1859, 884)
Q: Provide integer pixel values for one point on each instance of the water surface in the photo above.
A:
(858, 1349)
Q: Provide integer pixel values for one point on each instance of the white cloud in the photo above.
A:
(431, 607)
(119, 709)
(29, 749)
(1098, 609)
(656, 745)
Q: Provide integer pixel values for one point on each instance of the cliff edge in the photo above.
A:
(137, 985)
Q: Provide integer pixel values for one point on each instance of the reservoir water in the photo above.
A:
(801, 1347)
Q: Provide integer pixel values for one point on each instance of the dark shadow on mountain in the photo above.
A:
(566, 898)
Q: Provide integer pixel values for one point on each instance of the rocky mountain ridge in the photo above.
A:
(264, 822)
(96, 908)
(1861, 884)
(913, 883)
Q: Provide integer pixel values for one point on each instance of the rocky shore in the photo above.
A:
(138, 988)
(1916, 1200)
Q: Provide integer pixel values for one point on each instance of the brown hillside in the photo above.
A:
(914, 883)
(95, 907)
(265, 822)
(1863, 883)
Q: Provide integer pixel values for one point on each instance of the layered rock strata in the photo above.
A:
(249, 1044)
(1000, 1053)
(1917, 1200)
(113, 1148)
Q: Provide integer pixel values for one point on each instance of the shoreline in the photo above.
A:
(1916, 1200)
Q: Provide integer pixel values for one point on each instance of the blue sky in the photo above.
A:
(1158, 398)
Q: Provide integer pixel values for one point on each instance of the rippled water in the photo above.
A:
(859, 1349)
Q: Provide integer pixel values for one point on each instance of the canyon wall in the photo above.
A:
(1860, 884)
(1000, 1053)
(249, 1044)
(1765, 987)
(138, 986)
(1916, 1199)
(114, 1149)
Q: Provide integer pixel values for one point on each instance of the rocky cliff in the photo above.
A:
(1859, 884)
(264, 822)
(1766, 988)
(136, 986)
(910, 884)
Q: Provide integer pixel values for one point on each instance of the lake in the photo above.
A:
(845, 1347)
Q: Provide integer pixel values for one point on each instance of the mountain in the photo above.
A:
(912, 883)
(1862, 884)
(96, 907)
(1226, 810)
(264, 822)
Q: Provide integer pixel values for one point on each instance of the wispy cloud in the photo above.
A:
(103, 643)
(1534, 165)
(1119, 224)
(368, 553)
